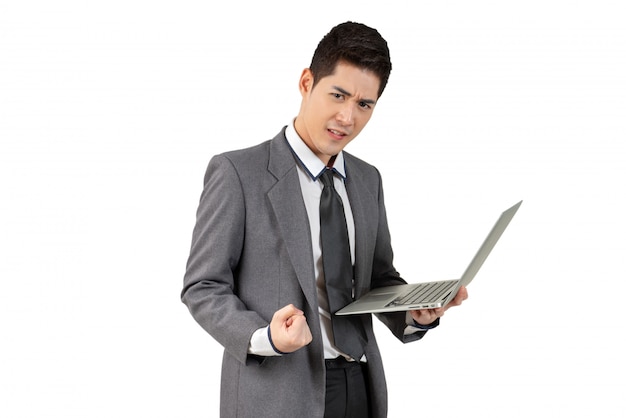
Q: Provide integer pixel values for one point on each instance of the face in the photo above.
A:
(334, 112)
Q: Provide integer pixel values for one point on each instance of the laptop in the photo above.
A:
(428, 295)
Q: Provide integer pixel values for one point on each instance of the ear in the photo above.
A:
(306, 82)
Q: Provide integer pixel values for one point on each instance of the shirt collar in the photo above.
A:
(309, 161)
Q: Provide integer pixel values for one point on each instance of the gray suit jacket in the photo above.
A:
(251, 255)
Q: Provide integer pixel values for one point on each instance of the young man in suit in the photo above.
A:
(255, 277)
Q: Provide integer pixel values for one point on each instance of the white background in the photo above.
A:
(110, 111)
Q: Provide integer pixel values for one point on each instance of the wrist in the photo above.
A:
(269, 336)
(433, 324)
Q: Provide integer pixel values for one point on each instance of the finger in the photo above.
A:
(300, 331)
(439, 312)
(297, 321)
(286, 312)
(458, 299)
(424, 316)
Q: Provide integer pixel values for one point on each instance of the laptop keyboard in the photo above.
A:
(429, 292)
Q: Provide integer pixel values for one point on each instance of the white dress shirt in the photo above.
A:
(310, 167)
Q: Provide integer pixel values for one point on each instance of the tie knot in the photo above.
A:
(327, 178)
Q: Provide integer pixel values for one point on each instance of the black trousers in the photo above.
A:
(346, 389)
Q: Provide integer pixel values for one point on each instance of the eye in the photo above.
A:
(364, 105)
(337, 96)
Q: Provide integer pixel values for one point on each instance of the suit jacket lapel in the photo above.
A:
(365, 214)
(286, 200)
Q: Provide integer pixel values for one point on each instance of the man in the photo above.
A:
(255, 277)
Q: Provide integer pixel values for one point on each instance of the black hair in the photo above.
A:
(356, 44)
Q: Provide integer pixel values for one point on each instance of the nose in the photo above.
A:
(345, 114)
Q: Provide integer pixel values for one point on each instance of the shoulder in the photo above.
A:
(261, 163)
(246, 156)
(235, 163)
(257, 156)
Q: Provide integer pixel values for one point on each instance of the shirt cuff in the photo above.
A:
(260, 343)
(413, 327)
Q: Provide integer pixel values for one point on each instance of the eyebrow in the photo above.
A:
(342, 91)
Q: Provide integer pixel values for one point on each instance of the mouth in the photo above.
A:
(337, 134)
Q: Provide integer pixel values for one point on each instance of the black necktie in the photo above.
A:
(347, 330)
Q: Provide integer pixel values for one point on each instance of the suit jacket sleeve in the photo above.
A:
(209, 282)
